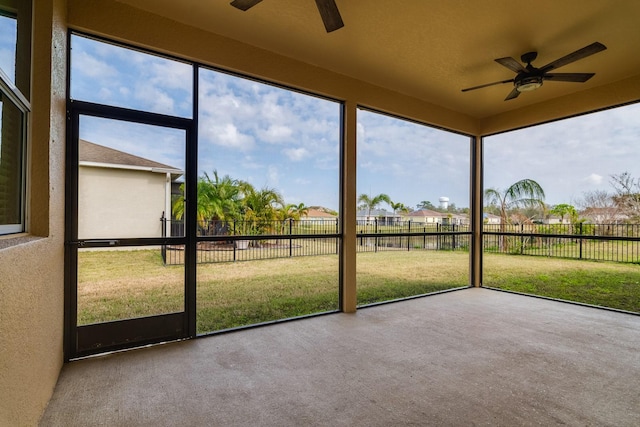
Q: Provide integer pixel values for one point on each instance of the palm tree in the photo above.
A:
(218, 199)
(291, 212)
(259, 208)
(399, 207)
(524, 193)
(371, 203)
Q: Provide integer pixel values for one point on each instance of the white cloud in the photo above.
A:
(273, 176)
(154, 99)
(276, 134)
(594, 179)
(227, 135)
(90, 66)
(296, 154)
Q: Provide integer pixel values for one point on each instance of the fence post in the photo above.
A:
(409, 238)
(424, 237)
(521, 239)
(453, 237)
(163, 248)
(234, 241)
(580, 231)
(375, 229)
(290, 240)
(337, 240)
(438, 241)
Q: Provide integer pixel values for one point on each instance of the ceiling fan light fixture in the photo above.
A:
(528, 84)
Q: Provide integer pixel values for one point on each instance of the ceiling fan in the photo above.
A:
(327, 8)
(530, 78)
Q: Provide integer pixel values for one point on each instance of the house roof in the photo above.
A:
(99, 155)
(426, 213)
(376, 213)
(317, 213)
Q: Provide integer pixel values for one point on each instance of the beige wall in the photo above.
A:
(119, 203)
(32, 273)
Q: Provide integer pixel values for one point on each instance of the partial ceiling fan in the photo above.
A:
(529, 78)
(327, 8)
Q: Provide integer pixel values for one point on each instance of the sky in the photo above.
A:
(8, 28)
(290, 141)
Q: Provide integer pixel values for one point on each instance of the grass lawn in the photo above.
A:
(123, 284)
(607, 284)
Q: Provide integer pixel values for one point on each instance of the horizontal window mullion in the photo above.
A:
(127, 114)
(563, 236)
(144, 241)
(418, 234)
(267, 237)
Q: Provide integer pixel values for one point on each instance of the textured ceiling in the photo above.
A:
(431, 49)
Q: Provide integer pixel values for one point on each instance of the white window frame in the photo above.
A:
(12, 94)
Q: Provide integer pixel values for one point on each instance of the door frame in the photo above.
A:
(108, 336)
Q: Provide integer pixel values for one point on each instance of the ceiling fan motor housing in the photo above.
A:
(525, 82)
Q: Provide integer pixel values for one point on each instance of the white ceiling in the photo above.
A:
(431, 49)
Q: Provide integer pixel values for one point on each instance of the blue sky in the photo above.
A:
(8, 28)
(289, 141)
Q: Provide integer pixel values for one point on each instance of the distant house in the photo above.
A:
(491, 218)
(606, 215)
(554, 219)
(318, 215)
(427, 216)
(121, 195)
(377, 216)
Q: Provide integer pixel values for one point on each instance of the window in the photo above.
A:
(413, 220)
(14, 109)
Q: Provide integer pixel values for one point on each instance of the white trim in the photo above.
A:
(131, 167)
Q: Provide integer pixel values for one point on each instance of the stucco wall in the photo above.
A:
(32, 273)
(120, 203)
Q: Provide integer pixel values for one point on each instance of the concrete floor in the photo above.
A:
(470, 357)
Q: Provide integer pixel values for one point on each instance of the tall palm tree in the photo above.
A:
(524, 193)
(371, 203)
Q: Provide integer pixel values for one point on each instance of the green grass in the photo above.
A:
(605, 284)
(124, 284)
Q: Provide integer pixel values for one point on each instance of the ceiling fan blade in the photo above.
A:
(513, 94)
(569, 77)
(511, 64)
(244, 4)
(486, 85)
(330, 15)
(572, 57)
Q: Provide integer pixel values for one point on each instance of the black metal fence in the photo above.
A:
(227, 241)
(599, 242)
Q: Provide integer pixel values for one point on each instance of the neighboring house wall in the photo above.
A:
(120, 203)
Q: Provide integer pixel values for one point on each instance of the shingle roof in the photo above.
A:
(426, 213)
(317, 213)
(90, 152)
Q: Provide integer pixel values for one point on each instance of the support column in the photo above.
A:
(477, 204)
(348, 297)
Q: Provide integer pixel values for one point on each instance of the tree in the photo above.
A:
(563, 209)
(627, 197)
(259, 208)
(370, 203)
(524, 193)
(425, 204)
(599, 206)
(398, 207)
